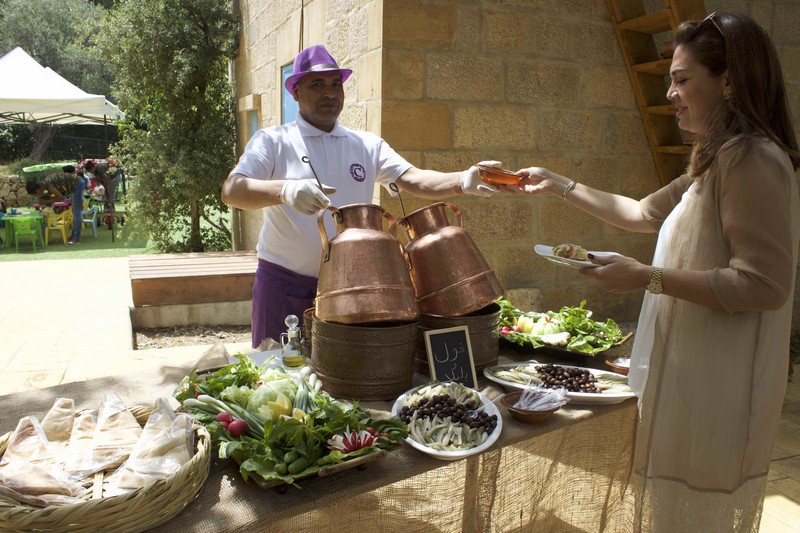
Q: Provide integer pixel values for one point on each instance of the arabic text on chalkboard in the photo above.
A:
(450, 355)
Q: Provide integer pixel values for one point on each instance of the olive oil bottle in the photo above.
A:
(293, 353)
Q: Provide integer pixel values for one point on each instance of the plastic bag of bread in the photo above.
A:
(166, 443)
(28, 467)
(57, 427)
(104, 442)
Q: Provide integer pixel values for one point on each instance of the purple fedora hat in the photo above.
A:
(313, 59)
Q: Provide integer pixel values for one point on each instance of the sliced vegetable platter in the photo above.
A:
(280, 426)
(613, 388)
(436, 415)
(571, 329)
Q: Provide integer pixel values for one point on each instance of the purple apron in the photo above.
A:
(278, 292)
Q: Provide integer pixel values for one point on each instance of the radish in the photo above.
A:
(237, 427)
(224, 417)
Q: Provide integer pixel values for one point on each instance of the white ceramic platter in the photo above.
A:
(547, 252)
(491, 409)
(605, 397)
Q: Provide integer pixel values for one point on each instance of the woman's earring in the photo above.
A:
(727, 95)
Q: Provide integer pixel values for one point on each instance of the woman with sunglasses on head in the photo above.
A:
(711, 351)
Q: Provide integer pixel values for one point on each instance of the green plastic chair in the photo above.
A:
(25, 227)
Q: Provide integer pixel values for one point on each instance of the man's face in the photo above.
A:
(320, 96)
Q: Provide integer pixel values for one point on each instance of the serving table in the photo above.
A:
(568, 474)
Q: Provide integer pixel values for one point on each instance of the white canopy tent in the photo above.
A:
(30, 92)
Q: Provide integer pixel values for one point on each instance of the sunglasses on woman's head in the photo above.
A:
(711, 18)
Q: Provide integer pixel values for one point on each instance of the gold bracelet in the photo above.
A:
(569, 187)
(655, 285)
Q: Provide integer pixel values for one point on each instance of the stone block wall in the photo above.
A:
(12, 188)
(449, 83)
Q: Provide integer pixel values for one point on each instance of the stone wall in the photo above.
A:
(451, 82)
(12, 188)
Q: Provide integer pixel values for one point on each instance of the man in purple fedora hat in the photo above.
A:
(294, 170)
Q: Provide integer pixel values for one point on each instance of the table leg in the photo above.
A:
(9, 232)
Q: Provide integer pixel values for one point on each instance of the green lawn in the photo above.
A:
(89, 248)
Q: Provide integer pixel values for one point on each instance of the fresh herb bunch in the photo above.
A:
(573, 328)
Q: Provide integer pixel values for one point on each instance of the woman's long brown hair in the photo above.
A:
(758, 107)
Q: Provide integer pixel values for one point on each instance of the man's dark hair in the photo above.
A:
(89, 165)
(31, 187)
(69, 169)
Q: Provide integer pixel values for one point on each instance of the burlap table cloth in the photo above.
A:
(568, 474)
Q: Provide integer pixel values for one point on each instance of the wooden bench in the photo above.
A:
(208, 277)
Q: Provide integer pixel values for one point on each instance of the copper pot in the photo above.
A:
(374, 362)
(484, 336)
(449, 273)
(363, 275)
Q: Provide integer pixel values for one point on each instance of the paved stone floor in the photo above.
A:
(67, 321)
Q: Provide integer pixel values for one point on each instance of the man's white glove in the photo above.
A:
(304, 196)
(471, 182)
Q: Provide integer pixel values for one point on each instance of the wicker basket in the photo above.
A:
(138, 510)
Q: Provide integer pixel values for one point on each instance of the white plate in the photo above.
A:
(547, 252)
(491, 409)
(575, 397)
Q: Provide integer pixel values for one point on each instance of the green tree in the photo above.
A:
(170, 61)
(58, 34)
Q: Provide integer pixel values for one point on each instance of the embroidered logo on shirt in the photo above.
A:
(358, 172)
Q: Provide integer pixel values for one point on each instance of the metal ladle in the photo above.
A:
(394, 188)
(325, 189)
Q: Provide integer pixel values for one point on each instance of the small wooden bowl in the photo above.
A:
(619, 369)
(524, 415)
(497, 176)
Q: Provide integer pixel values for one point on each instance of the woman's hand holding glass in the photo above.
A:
(538, 180)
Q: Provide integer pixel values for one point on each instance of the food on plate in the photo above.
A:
(438, 416)
(281, 426)
(570, 328)
(571, 251)
(573, 379)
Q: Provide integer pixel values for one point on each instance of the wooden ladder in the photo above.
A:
(637, 31)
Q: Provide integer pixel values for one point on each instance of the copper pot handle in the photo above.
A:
(326, 249)
(457, 211)
(392, 228)
(403, 223)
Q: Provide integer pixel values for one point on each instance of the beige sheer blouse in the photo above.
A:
(712, 400)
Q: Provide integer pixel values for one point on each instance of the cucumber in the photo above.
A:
(281, 469)
(299, 465)
(291, 456)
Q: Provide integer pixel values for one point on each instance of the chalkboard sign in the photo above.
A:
(450, 355)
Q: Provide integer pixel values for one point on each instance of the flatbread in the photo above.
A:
(167, 443)
(107, 443)
(28, 466)
(57, 423)
(81, 444)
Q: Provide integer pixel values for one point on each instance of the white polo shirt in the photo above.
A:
(352, 161)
